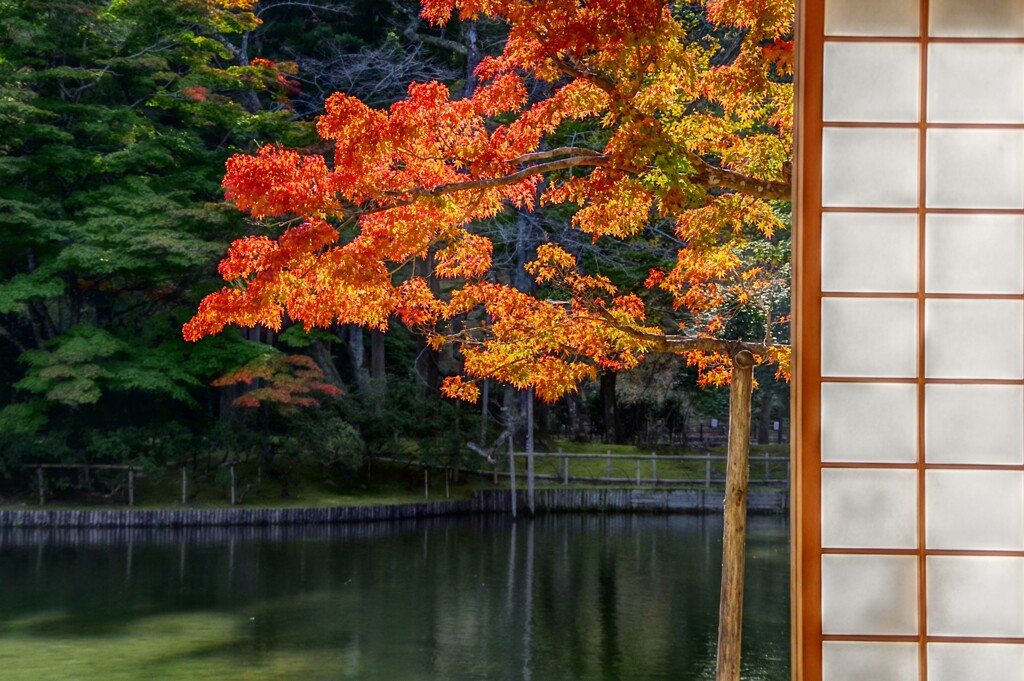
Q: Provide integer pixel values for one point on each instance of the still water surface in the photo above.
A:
(615, 598)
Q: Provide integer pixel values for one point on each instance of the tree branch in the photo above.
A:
(414, 193)
(554, 153)
(674, 343)
(413, 36)
(5, 332)
(677, 344)
(705, 174)
(708, 175)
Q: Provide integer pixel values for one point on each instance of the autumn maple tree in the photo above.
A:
(688, 135)
(689, 129)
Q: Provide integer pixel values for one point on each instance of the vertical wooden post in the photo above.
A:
(529, 451)
(565, 468)
(184, 485)
(426, 483)
(40, 479)
(654, 466)
(734, 534)
(447, 477)
(485, 398)
(707, 472)
(608, 469)
(131, 487)
(232, 484)
(638, 472)
(767, 468)
(512, 475)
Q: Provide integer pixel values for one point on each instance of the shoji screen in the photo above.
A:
(909, 499)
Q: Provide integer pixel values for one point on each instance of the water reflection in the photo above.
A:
(563, 597)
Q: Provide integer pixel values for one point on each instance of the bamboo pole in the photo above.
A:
(734, 534)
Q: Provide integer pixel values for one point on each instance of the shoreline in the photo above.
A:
(487, 501)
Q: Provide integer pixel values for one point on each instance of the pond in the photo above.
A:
(608, 597)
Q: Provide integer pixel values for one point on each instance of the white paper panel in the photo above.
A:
(869, 337)
(869, 422)
(869, 167)
(974, 424)
(869, 252)
(868, 508)
(974, 339)
(975, 83)
(861, 661)
(967, 510)
(871, 82)
(975, 596)
(869, 594)
(974, 254)
(975, 661)
(975, 169)
(872, 17)
(976, 18)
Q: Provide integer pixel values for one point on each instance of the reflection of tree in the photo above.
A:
(571, 597)
(611, 656)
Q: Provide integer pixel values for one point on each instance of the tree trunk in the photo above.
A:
(428, 368)
(510, 409)
(485, 399)
(542, 422)
(471, 40)
(377, 355)
(354, 334)
(734, 533)
(764, 416)
(572, 407)
(320, 351)
(609, 411)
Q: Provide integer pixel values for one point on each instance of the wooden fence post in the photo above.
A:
(131, 487)
(654, 466)
(232, 483)
(426, 483)
(529, 452)
(638, 472)
(512, 475)
(184, 485)
(41, 480)
(608, 472)
(734, 533)
(707, 472)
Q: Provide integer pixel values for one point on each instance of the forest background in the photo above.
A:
(117, 118)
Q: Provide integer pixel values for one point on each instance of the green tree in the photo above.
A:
(117, 117)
